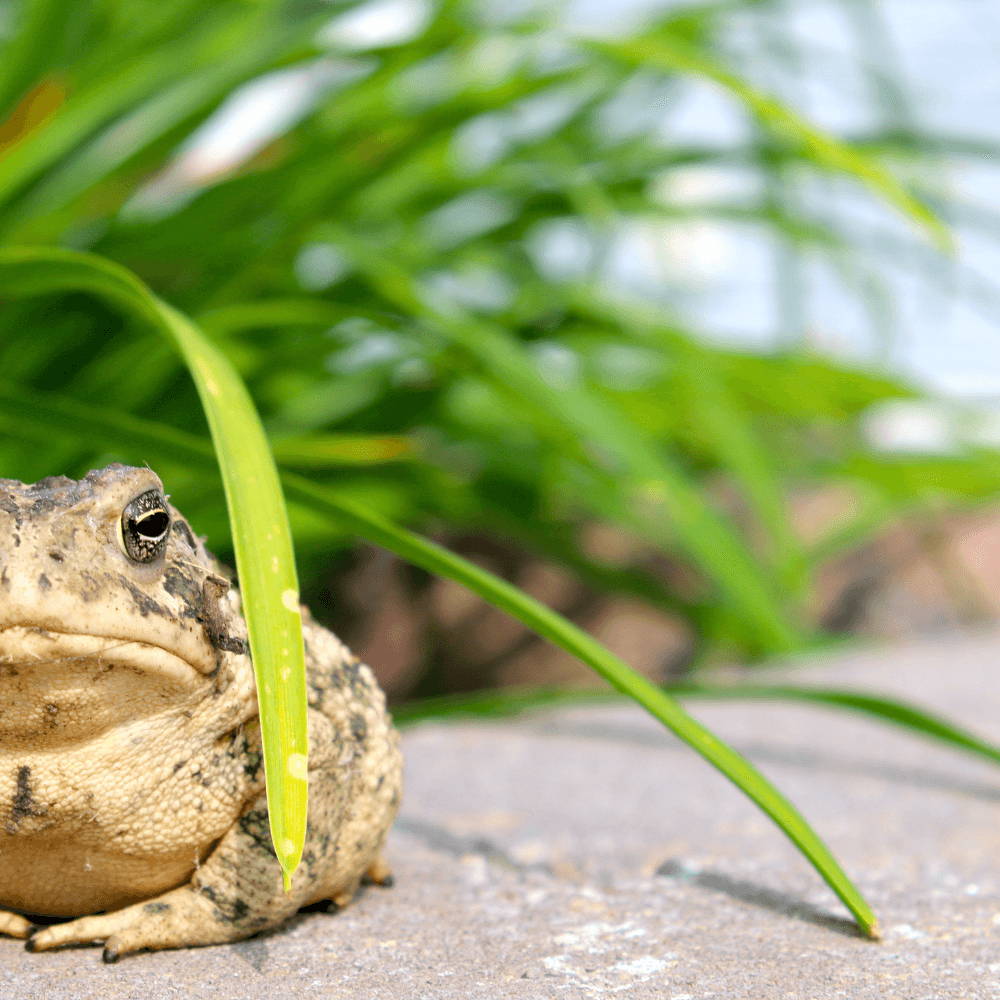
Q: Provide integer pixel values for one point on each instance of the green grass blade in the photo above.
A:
(511, 701)
(672, 55)
(279, 312)
(334, 451)
(882, 707)
(262, 540)
(496, 702)
(265, 562)
(563, 633)
(25, 58)
(429, 556)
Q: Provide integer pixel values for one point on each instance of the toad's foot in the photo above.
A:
(380, 873)
(182, 917)
(237, 891)
(14, 925)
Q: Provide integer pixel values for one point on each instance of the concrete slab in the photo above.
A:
(586, 852)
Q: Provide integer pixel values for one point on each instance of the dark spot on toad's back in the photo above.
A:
(91, 589)
(44, 584)
(55, 484)
(9, 506)
(252, 764)
(359, 728)
(53, 492)
(156, 908)
(23, 803)
(255, 826)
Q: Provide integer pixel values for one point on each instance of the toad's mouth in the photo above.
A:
(28, 647)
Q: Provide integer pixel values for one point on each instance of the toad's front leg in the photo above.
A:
(235, 893)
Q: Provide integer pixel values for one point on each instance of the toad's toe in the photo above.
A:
(177, 919)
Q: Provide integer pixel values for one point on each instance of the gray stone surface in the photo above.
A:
(586, 852)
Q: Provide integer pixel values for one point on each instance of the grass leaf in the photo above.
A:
(331, 451)
(265, 559)
(882, 707)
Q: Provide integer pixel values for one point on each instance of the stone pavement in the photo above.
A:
(585, 852)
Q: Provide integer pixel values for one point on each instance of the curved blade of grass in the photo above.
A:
(26, 58)
(265, 559)
(673, 55)
(563, 633)
(511, 701)
(497, 702)
(882, 707)
(332, 451)
(177, 444)
(279, 312)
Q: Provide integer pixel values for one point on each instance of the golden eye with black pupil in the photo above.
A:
(144, 527)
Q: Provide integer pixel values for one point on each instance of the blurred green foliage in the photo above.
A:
(411, 274)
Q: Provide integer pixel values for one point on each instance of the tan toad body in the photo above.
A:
(130, 767)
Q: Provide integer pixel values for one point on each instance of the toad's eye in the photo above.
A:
(145, 525)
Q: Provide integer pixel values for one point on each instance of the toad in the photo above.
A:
(131, 778)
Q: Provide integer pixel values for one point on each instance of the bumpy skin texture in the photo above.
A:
(131, 778)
